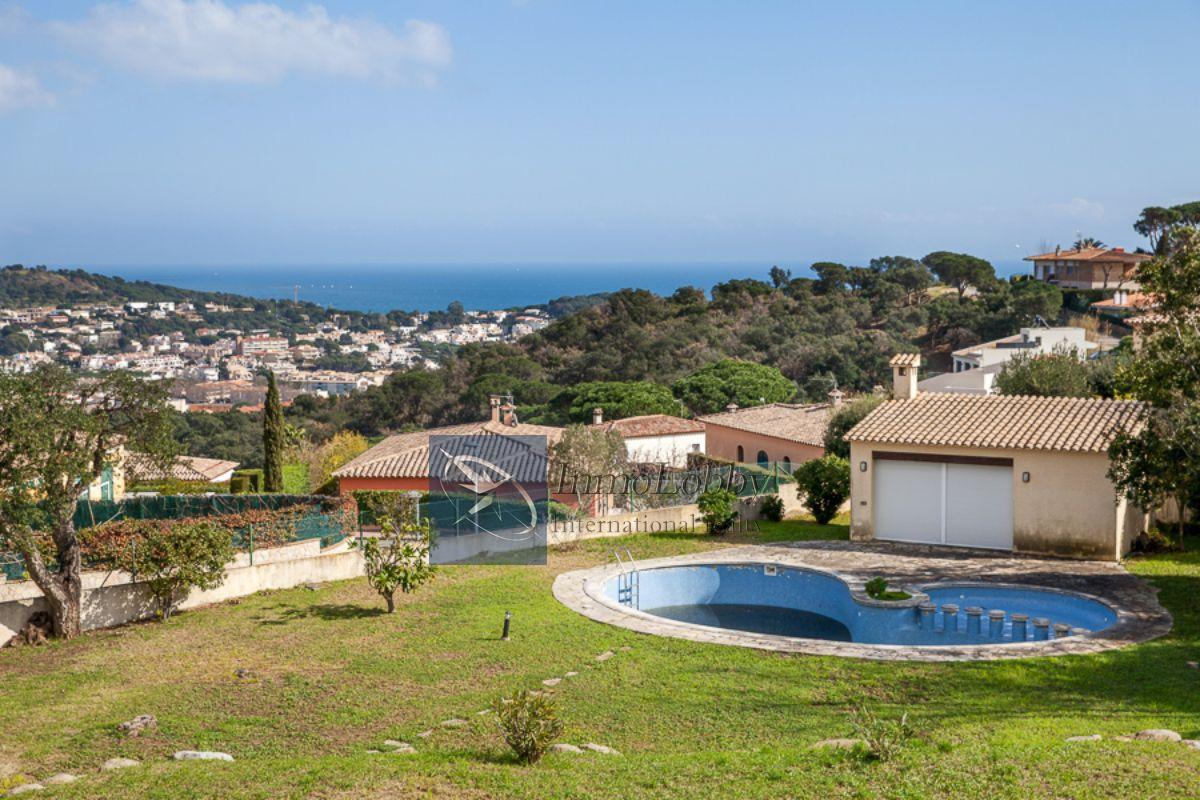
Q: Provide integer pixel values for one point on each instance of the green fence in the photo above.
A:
(322, 519)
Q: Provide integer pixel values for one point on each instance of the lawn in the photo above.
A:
(326, 677)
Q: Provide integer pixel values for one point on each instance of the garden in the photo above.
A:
(318, 692)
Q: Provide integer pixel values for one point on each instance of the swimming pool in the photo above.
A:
(790, 601)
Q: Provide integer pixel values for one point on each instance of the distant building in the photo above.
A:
(975, 368)
(784, 433)
(1089, 268)
(656, 438)
(261, 344)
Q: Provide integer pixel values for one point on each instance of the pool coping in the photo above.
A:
(1140, 617)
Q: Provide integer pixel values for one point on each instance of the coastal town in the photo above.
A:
(594, 401)
(214, 367)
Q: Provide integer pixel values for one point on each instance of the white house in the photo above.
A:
(656, 438)
(975, 368)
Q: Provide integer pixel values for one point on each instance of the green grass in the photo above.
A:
(331, 677)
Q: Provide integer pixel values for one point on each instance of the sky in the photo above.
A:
(188, 132)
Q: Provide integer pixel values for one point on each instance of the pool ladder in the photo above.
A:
(627, 579)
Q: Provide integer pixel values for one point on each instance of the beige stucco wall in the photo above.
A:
(1068, 508)
(114, 598)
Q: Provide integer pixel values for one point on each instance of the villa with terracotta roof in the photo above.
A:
(656, 438)
(401, 462)
(1089, 268)
(1022, 474)
(787, 433)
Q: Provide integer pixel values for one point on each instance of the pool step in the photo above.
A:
(929, 616)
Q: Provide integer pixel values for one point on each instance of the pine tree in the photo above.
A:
(273, 439)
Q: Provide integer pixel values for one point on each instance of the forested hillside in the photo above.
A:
(841, 326)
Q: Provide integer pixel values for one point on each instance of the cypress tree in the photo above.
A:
(273, 438)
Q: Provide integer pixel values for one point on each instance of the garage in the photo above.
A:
(929, 499)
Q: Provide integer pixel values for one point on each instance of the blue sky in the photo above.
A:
(165, 132)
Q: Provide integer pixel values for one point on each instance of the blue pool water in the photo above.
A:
(815, 605)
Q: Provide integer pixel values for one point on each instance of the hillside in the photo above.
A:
(841, 327)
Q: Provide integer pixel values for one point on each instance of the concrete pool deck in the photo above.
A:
(1139, 615)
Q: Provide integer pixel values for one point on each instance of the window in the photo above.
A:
(787, 463)
(695, 448)
(762, 458)
(741, 454)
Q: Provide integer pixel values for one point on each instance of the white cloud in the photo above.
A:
(210, 40)
(21, 90)
(1080, 208)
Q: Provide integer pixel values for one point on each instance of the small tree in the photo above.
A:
(583, 457)
(274, 438)
(398, 560)
(57, 437)
(845, 418)
(172, 559)
(823, 484)
(717, 510)
(529, 723)
(1159, 460)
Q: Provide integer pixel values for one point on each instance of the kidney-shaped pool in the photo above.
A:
(810, 604)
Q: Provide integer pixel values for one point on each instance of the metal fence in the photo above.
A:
(318, 520)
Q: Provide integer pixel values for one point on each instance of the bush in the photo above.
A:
(253, 480)
(717, 511)
(882, 738)
(772, 508)
(824, 485)
(529, 723)
(295, 478)
(174, 559)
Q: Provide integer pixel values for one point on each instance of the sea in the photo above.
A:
(429, 287)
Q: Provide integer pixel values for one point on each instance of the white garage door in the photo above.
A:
(968, 505)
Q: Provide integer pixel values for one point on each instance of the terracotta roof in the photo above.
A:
(406, 455)
(796, 423)
(1072, 424)
(653, 425)
(905, 360)
(185, 468)
(1092, 254)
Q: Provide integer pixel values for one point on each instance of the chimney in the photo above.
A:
(1118, 249)
(835, 397)
(597, 416)
(494, 404)
(731, 407)
(508, 414)
(904, 375)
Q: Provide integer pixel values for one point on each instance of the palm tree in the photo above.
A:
(1087, 243)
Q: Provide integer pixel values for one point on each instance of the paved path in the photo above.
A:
(1139, 615)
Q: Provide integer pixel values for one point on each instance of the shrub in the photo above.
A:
(1153, 540)
(882, 738)
(772, 508)
(398, 560)
(824, 485)
(717, 511)
(174, 559)
(240, 484)
(529, 723)
(254, 476)
(878, 589)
